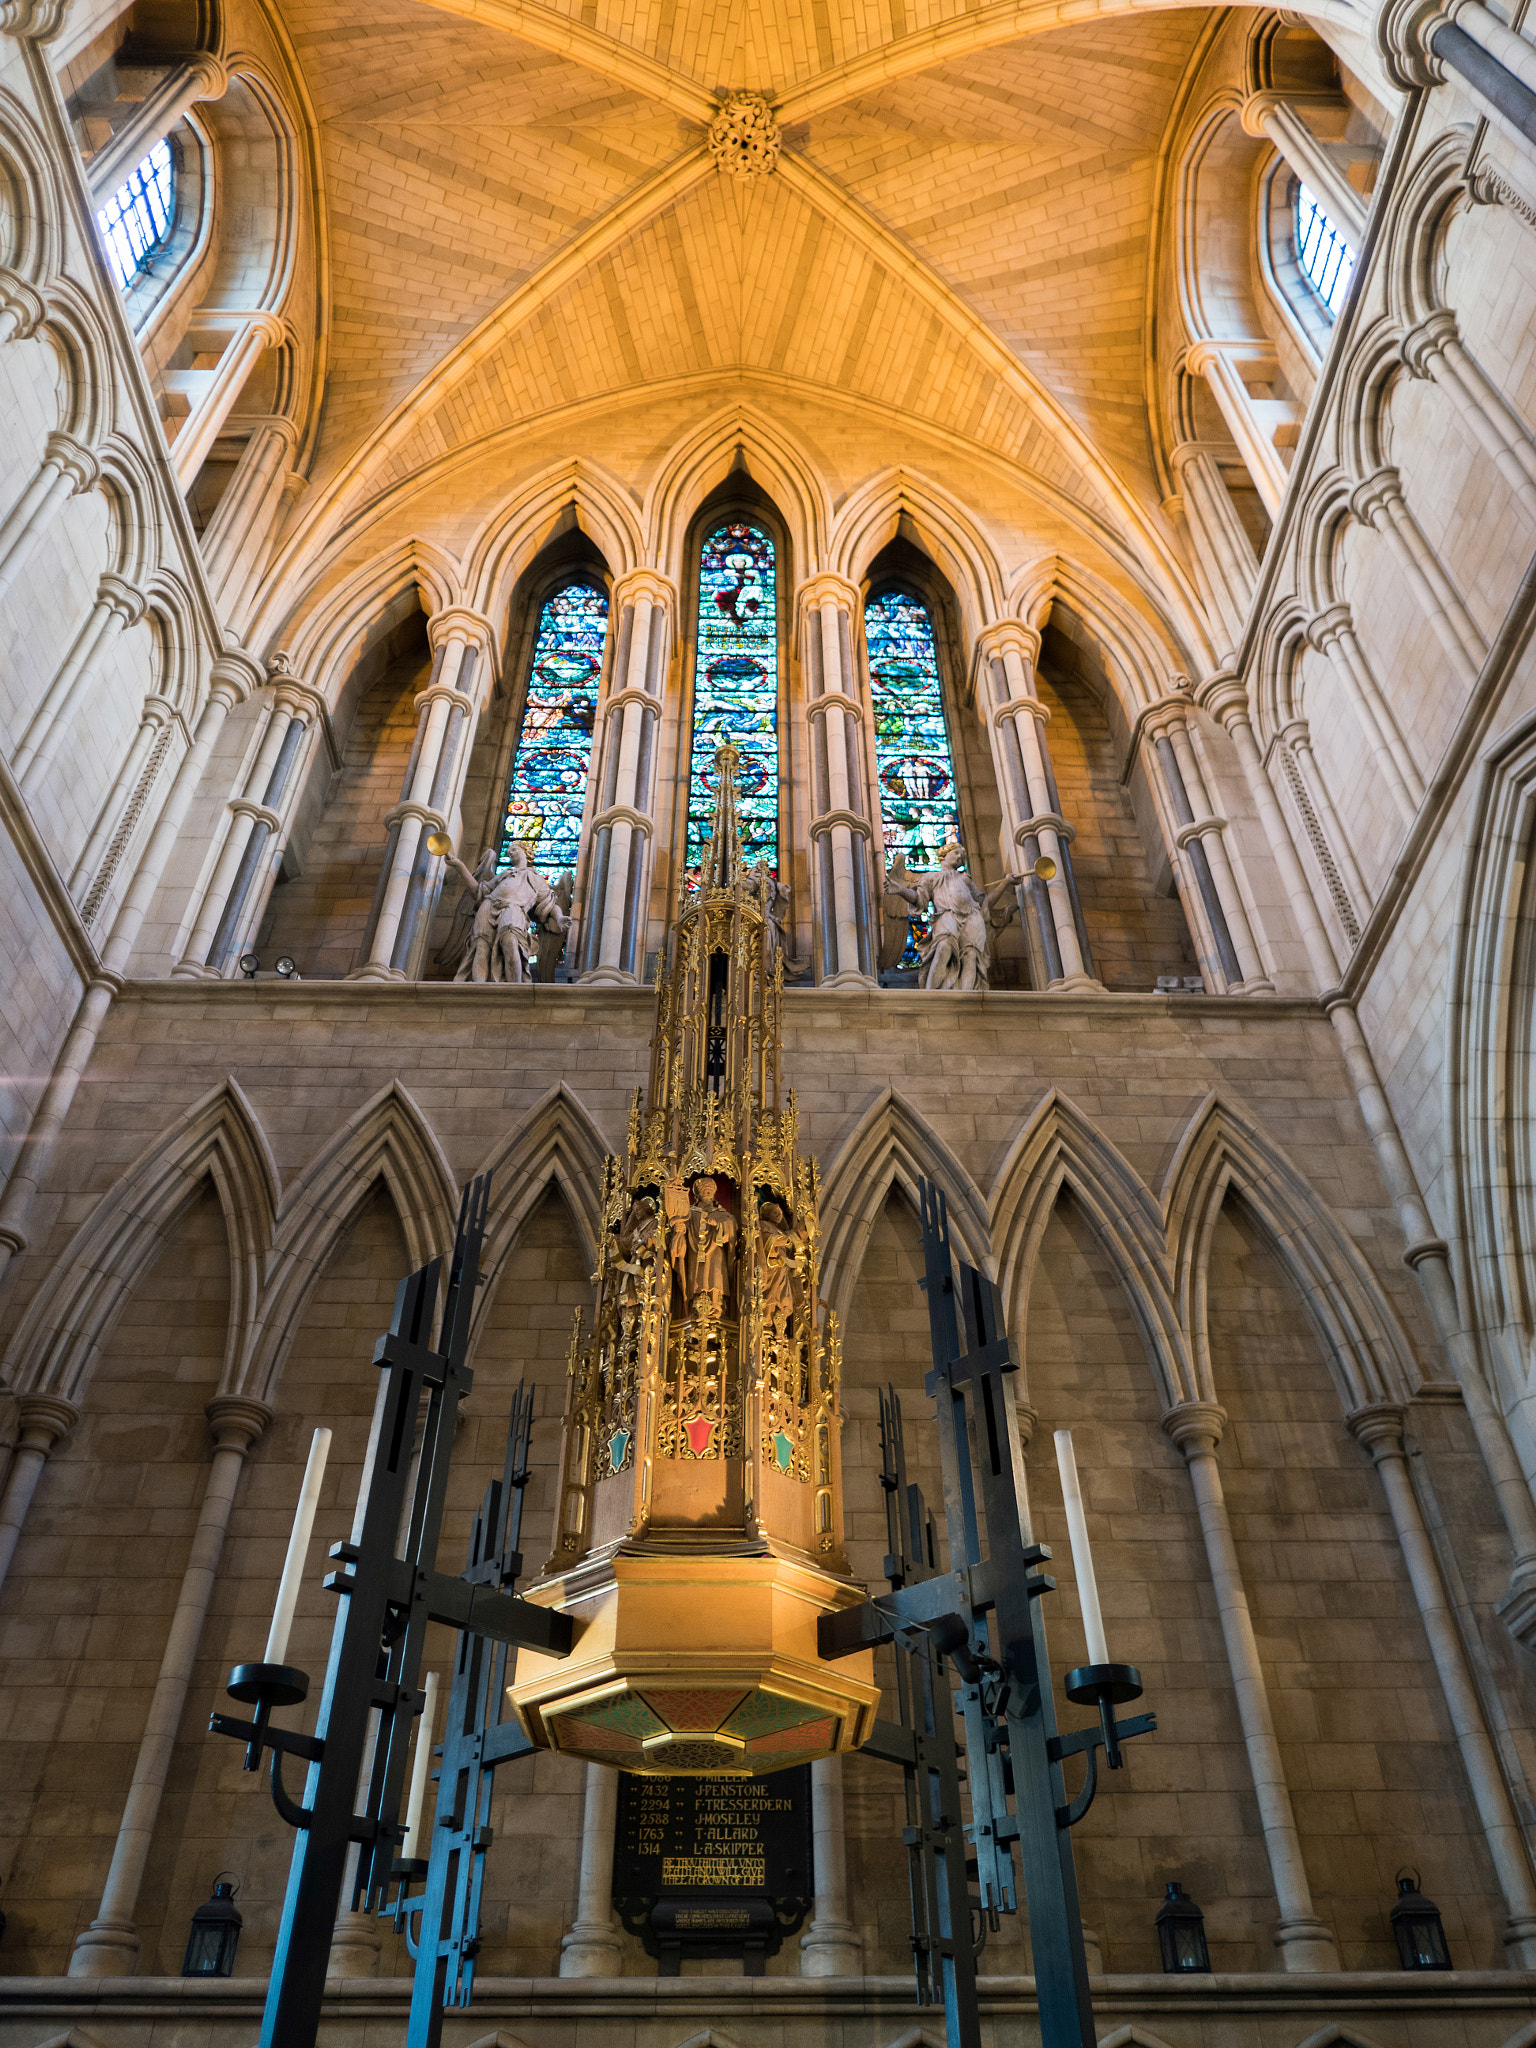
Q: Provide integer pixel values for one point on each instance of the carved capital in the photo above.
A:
(38, 20)
(45, 1418)
(1432, 337)
(122, 597)
(1039, 712)
(72, 459)
(1224, 695)
(1028, 1419)
(832, 700)
(1196, 1427)
(1404, 31)
(23, 309)
(1009, 636)
(622, 814)
(830, 820)
(1199, 828)
(658, 590)
(210, 74)
(1045, 821)
(237, 1421)
(1374, 500)
(1327, 627)
(1379, 1426)
(234, 675)
(457, 621)
(828, 588)
(1258, 108)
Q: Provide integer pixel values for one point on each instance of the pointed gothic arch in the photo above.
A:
(1225, 1147)
(704, 460)
(1337, 2034)
(387, 1139)
(331, 624)
(1059, 1147)
(874, 515)
(59, 1340)
(1133, 2036)
(511, 537)
(891, 1145)
(558, 1145)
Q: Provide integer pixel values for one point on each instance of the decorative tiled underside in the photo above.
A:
(762, 1711)
(694, 1710)
(584, 1735)
(805, 1741)
(628, 1713)
(698, 1756)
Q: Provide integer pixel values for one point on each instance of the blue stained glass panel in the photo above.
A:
(138, 217)
(736, 689)
(554, 749)
(1322, 251)
(919, 805)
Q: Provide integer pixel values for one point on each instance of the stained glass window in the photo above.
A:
(138, 217)
(736, 688)
(1322, 251)
(918, 801)
(554, 749)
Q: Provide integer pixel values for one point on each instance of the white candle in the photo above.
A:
(421, 1770)
(1082, 1556)
(298, 1550)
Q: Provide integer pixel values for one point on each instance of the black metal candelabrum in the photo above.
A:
(983, 1618)
(371, 1693)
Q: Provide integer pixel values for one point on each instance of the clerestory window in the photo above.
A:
(548, 790)
(1326, 259)
(136, 221)
(736, 688)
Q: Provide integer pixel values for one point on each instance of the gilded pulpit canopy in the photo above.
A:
(700, 1527)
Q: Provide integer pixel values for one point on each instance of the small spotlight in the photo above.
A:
(287, 969)
(249, 962)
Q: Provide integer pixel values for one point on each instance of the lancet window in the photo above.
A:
(1326, 259)
(919, 805)
(136, 221)
(554, 750)
(736, 688)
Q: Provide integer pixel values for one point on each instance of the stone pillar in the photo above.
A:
(1434, 350)
(842, 833)
(1221, 364)
(246, 337)
(594, 1945)
(1419, 39)
(1197, 834)
(252, 816)
(118, 605)
(1278, 117)
(109, 1947)
(1426, 1252)
(200, 77)
(1221, 544)
(1032, 822)
(1303, 1941)
(830, 1946)
(447, 713)
(66, 467)
(616, 904)
(1380, 1428)
(1379, 504)
(44, 1418)
(232, 677)
(235, 545)
(1332, 632)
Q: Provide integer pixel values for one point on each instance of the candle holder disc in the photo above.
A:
(268, 1685)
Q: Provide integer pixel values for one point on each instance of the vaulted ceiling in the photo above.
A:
(522, 212)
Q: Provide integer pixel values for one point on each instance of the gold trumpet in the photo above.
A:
(1044, 867)
(439, 843)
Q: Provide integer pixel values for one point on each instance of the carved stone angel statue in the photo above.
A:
(499, 946)
(776, 912)
(895, 911)
(959, 949)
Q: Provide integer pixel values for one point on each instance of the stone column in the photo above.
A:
(232, 677)
(66, 467)
(1434, 350)
(252, 816)
(109, 1947)
(830, 1946)
(201, 77)
(1332, 632)
(447, 713)
(1380, 1428)
(1221, 364)
(1379, 504)
(1426, 1252)
(44, 1418)
(842, 833)
(1032, 821)
(213, 393)
(234, 547)
(1419, 40)
(1198, 831)
(616, 904)
(1222, 547)
(594, 1945)
(1278, 117)
(118, 605)
(1304, 1942)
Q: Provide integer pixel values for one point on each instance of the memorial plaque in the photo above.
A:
(713, 1866)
